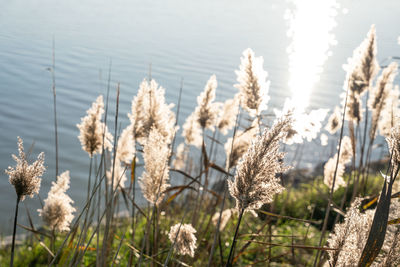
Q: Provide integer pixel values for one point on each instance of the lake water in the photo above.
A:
(180, 39)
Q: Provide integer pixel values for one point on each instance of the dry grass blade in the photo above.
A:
(180, 187)
(33, 230)
(370, 203)
(288, 217)
(220, 169)
(137, 252)
(124, 194)
(395, 221)
(293, 246)
(378, 228)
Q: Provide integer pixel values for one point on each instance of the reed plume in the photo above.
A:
(155, 177)
(393, 142)
(334, 121)
(180, 157)
(24, 177)
(92, 129)
(206, 111)
(390, 252)
(242, 141)
(252, 84)
(226, 117)
(126, 146)
(379, 94)
(391, 111)
(149, 110)
(346, 154)
(192, 131)
(255, 180)
(225, 216)
(26, 181)
(361, 70)
(182, 235)
(304, 125)
(57, 212)
(349, 237)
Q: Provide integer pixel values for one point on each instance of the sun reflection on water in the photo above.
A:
(310, 29)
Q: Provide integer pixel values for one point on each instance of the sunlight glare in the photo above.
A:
(310, 30)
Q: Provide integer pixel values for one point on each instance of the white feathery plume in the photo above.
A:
(149, 110)
(334, 121)
(227, 115)
(393, 142)
(252, 84)
(225, 216)
(183, 237)
(379, 95)
(26, 177)
(304, 126)
(206, 111)
(192, 131)
(242, 141)
(57, 211)
(346, 154)
(391, 113)
(329, 171)
(126, 145)
(180, 157)
(390, 252)
(361, 70)
(155, 177)
(92, 129)
(349, 237)
(255, 181)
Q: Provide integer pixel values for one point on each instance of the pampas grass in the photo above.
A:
(241, 202)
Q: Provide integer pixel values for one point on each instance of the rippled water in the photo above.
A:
(180, 39)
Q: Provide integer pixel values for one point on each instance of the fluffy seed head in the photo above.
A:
(57, 211)
(92, 129)
(379, 95)
(346, 154)
(155, 177)
(334, 121)
(181, 157)
(361, 70)
(206, 111)
(227, 115)
(149, 110)
(242, 141)
(183, 237)
(24, 177)
(225, 216)
(329, 171)
(394, 145)
(390, 112)
(126, 145)
(349, 237)
(192, 131)
(252, 84)
(255, 181)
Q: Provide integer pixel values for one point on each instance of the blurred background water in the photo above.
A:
(188, 40)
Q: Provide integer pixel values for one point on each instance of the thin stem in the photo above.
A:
(14, 232)
(228, 160)
(328, 208)
(229, 263)
(53, 76)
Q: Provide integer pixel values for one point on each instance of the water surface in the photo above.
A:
(180, 39)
